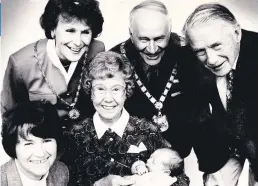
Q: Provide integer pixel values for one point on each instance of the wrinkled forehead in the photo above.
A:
(209, 32)
(211, 23)
(149, 20)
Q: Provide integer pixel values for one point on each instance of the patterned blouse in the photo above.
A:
(90, 159)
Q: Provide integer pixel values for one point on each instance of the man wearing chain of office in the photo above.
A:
(161, 78)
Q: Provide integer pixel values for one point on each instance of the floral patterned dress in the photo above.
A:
(90, 159)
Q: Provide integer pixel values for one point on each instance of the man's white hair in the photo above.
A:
(149, 5)
(206, 12)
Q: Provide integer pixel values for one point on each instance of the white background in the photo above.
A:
(20, 26)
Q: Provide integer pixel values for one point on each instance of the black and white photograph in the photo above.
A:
(129, 93)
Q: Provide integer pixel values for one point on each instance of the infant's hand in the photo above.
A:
(115, 180)
(141, 169)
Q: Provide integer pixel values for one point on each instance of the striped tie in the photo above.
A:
(229, 78)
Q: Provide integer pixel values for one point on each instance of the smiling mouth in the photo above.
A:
(152, 56)
(217, 68)
(108, 107)
(76, 50)
(39, 161)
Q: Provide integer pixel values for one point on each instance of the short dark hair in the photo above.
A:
(83, 10)
(105, 65)
(42, 120)
(206, 12)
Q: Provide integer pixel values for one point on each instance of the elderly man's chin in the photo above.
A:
(222, 72)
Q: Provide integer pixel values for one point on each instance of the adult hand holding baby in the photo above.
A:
(115, 180)
(153, 179)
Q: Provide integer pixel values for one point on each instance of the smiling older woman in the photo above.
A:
(32, 137)
(51, 69)
(106, 145)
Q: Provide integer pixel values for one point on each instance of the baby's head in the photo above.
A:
(165, 160)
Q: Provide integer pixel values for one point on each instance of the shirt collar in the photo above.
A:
(27, 181)
(118, 127)
(51, 51)
(235, 63)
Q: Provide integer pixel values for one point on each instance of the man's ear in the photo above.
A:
(167, 172)
(238, 32)
(169, 24)
(131, 34)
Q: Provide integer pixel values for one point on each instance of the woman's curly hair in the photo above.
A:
(82, 10)
(106, 65)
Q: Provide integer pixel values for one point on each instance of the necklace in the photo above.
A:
(73, 113)
(159, 119)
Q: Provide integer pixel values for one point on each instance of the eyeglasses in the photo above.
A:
(101, 91)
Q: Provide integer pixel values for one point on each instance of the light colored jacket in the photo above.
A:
(58, 175)
(23, 80)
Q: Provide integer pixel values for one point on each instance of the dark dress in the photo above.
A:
(90, 159)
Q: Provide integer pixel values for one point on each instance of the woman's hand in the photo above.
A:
(115, 180)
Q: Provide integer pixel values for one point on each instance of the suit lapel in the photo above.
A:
(56, 176)
(13, 177)
(53, 74)
(136, 61)
(51, 180)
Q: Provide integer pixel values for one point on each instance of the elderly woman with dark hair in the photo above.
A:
(51, 69)
(32, 137)
(103, 148)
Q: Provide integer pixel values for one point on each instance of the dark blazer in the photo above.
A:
(237, 127)
(58, 175)
(177, 105)
(23, 80)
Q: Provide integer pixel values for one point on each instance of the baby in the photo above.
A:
(158, 168)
